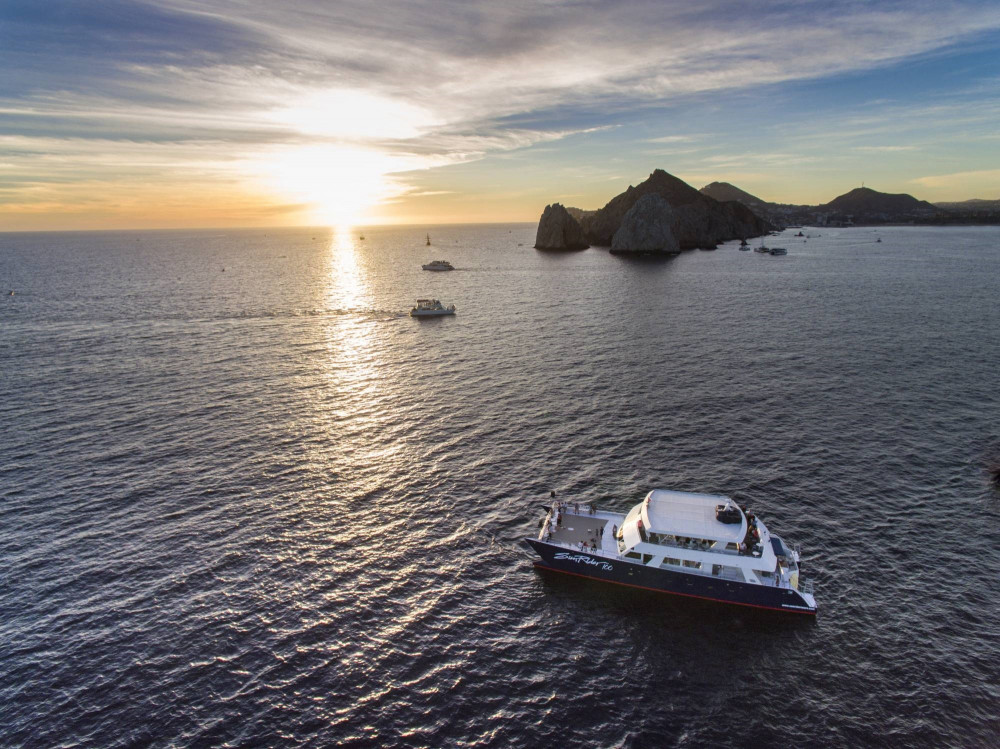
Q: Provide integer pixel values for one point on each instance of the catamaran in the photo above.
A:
(698, 545)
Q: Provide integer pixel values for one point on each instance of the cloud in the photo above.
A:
(884, 149)
(673, 139)
(961, 179)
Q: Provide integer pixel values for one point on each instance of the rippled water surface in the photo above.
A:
(246, 500)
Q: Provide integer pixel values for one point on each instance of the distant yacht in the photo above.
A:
(428, 240)
(431, 308)
(362, 237)
(778, 251)
(438, 265)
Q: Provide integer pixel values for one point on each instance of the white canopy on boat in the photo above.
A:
(690, 515)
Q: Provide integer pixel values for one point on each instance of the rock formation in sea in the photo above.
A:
(646, 228)
(698, 220)
(558, 230)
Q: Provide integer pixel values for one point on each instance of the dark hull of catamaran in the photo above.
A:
(636, 575)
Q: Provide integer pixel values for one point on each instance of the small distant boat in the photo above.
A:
(762, 248)
(362, 237)
(428, 240)
(778, 251)
(431, 308)
(438, 265)
(800, 234)
(744, 245)
(879, 239)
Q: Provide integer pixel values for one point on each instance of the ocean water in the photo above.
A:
(245, 500)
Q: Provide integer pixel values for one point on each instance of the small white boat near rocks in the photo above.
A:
(431, 308)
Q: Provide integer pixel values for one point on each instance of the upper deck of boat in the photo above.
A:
(690, 515)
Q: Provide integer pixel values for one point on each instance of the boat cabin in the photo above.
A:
(706, 533)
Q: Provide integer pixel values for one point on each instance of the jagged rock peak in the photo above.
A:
(558, 230)
(698, 220)
(646, 227)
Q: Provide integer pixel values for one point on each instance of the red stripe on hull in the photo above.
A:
(672, 593)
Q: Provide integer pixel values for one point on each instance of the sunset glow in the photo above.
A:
(184, 113)
(338, 184)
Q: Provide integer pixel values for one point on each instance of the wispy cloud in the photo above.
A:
(962, 178)
(884, 149)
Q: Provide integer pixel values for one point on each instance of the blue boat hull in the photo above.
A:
(636, 575)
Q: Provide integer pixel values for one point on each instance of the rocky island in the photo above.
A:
(680, 219)
(558, 230)
(646, 228)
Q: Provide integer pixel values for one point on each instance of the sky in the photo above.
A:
(125, 114)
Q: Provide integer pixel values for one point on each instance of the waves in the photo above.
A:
(266, 506)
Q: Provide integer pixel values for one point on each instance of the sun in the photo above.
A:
(338, 164)
(339, 183)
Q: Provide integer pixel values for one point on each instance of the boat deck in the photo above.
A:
(583, 527)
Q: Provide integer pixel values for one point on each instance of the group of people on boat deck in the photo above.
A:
(593, 544)
(558, 507)
(753, 535)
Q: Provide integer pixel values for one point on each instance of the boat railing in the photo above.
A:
(806, 586)
(717, 548)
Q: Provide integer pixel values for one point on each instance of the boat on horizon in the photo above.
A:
(695, 545)
(431, 308)
(778, 251)
(428, 240)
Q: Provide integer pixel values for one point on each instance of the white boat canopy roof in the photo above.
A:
(690, 515)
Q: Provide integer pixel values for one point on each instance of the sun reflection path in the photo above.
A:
(347, 288)
(353, 403)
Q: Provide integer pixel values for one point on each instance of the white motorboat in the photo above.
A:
(778, 251)
(431, 308)
(438, 265)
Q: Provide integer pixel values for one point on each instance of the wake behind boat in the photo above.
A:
(696, 545)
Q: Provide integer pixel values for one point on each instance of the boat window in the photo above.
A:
(646, 558)
(632, 555)
(690, 563)
(671, 560)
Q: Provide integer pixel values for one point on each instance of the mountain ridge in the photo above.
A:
(862, 205)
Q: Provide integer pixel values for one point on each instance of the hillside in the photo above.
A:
(863, 201)
(863, 206)
(723, 191)
(971, 206)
